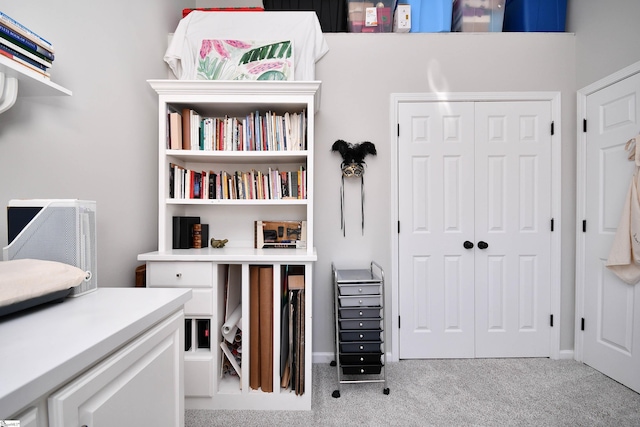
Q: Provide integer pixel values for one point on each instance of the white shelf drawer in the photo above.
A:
(198, 376)
(200, 304)
(180, 274)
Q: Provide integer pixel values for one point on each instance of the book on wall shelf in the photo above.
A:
(24, 47)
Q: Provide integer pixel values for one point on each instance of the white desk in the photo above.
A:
(44, 349)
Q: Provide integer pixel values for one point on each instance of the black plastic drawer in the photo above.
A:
(360, 347)
(361, 359)
(361, 301)
(358, 313)
(361, 370)
(363, 335)
(360, 324)
(360, 289)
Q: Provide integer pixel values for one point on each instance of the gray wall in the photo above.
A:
(359, 73)
(100, 144)
(607, 34)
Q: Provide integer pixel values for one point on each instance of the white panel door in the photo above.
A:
(513, 219)
(611, 340)
(436, 214)
(473, 174)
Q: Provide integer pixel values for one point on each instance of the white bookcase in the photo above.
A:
(206, 270)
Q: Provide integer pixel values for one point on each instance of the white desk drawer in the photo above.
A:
(180, 274)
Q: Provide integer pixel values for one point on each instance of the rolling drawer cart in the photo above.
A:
(359, 321)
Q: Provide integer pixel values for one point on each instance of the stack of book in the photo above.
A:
(25, 47)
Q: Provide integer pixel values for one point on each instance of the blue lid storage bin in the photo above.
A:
(430, 16)
(479, 16)
(370, 16)
(535, 15)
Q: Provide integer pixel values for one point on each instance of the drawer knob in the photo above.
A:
(361, 347)
(361, 324)
(362, 370)
(360, 301)
(178, 275)
(360, 290)
(360, 313)
(362, 359)
(361, 336)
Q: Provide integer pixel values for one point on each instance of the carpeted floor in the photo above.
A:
(466, 392)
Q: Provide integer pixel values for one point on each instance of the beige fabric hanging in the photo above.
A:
(624, 256)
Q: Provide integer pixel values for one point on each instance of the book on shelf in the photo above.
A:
(27, 44)
(272, 184)
(190, 129)
(254, 132)
(25, 32)
(175, 130)
(11, 54)
(45, 64)
(183, 231)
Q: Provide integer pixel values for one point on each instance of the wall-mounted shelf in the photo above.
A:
(19, 80)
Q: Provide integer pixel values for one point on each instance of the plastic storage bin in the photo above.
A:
(332, 14)
(478, 16)
(535, 15)
(370, 16)
(430, 16)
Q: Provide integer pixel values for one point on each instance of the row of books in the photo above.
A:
(270, 185)
(188, 130)
(24, 46)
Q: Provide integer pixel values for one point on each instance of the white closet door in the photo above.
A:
(468, 173)
(513, 217)
(436, 215)
(611, 340)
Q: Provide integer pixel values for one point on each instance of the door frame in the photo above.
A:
(556, 162)
(581, 159)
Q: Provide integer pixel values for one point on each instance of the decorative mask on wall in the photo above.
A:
(353, 165)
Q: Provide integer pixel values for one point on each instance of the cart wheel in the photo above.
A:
(386, 390)
(333, 363)
(336, 393)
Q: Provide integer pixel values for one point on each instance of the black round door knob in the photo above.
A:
(468, 245)
(483, 245)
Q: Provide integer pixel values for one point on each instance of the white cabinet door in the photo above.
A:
(475, 210)
(611, 337)
(140, 385)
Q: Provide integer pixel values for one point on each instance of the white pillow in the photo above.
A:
(24, 279)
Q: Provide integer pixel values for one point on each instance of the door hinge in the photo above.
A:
(551, 321)
(582, 324)
(584, 225)
(584, 125)
(398, 129)
(552, 128)
(551, 224)
(398, 322)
